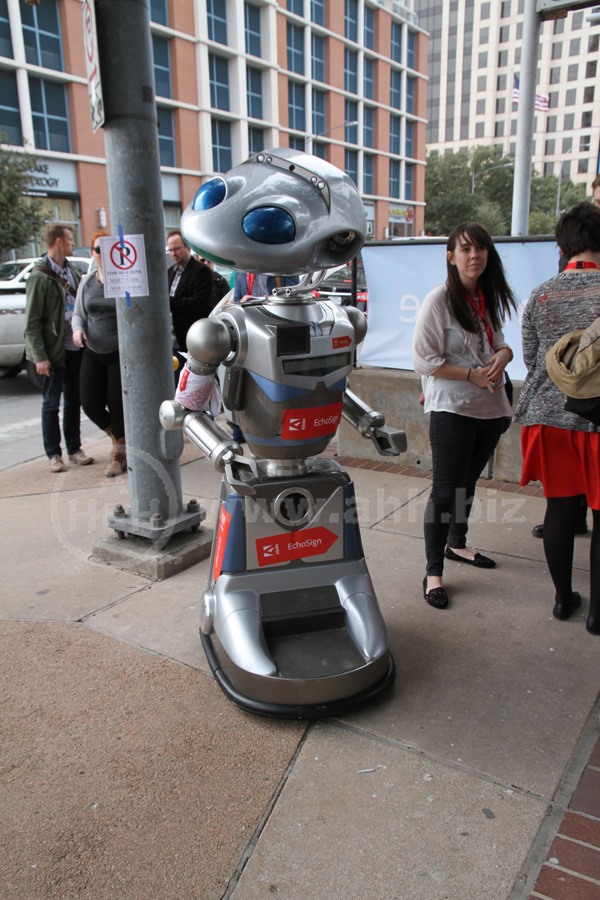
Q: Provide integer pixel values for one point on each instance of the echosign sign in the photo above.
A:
(547, 7)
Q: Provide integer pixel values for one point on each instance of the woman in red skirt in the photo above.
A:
(561, 449)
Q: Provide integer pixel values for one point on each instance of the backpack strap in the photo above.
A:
(66, 285)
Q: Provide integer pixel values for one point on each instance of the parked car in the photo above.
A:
(337, 286)
(13, 281)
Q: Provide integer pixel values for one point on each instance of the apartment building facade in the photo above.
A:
(474, 66)
(343, 79)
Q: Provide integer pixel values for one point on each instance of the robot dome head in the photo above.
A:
(281, 212)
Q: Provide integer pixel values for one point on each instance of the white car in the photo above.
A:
(13, 280)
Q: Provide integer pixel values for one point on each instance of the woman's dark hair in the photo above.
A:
(499, 299)
(578, 230)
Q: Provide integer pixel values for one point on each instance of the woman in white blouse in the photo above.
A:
(459, 348)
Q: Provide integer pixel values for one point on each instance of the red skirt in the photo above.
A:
(566, 462)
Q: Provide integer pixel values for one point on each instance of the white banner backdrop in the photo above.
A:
(400, 275)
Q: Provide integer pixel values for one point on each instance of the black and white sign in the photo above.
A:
(124, 266)
(92, 66)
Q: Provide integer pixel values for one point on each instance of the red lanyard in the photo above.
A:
(581, 264)
(479, 307)
(250, 283)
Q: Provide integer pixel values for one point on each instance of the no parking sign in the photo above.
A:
(124, 266)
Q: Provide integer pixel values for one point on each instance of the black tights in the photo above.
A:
(562, 514)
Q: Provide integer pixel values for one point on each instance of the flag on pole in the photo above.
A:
(541, 103)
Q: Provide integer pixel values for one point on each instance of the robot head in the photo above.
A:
(282, 212)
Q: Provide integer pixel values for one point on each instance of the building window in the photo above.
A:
(221, 141)
(41, 34)
(216, 15)
(5, 38)
(351, 71)
(591, 69)
(586, 119)
(504, 35)
(396, 44)
(319, 124)
(49, 111)
(162, 66)
(317, 11)
(351, 20)
(369, 78)
(368, 126)
(318, 57)
(395, 86)
(410, 50)
(219, 81)
(319, 150)
(297, 106)
(166, 138)
(351, 165)
(556, 50)
(409, 139)
(394, 179)
(479, 129)
(409, 176)
(295, 48)
(369, 28)
(501, 82)
(158, 12)
(10, 119)
(588, 95)
(252, 26)
(410, 94)
(351, 120)
(254, 92)
(256, 139)
(368, 173)
(297, 142)
(395, 135)
(296, 6)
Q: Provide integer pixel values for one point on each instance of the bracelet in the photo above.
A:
(468, 375)
(506, 347)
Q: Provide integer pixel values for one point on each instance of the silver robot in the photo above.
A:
(291, 625)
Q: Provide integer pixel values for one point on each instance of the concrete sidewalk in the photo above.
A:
(127, 775)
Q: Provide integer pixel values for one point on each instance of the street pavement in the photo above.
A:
(125, 773)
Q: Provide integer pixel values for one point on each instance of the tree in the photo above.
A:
(20, 216)
(479, 186)
(447, 192)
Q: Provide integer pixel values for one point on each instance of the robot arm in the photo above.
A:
(371, 424)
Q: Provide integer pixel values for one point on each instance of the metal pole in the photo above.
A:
(525, 117)
(134, 187)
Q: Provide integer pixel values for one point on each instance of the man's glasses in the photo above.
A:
(175, 249)
(96, 250)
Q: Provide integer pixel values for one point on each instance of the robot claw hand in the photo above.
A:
(202, 431)
(371, 424)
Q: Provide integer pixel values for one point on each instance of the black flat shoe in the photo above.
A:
(593, 624)
(436, 597)
(564, 611)
(480, 562)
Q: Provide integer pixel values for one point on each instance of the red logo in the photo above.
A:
(343, 341)
(315, 422)
(221, 542)
(281, 548)
(183, 379)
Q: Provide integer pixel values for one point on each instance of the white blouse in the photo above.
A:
(439, 338)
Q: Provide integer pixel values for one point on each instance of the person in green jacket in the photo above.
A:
(51, 290)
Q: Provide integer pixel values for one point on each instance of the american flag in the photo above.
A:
(541, 100)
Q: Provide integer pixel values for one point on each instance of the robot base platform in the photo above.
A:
(318, 669)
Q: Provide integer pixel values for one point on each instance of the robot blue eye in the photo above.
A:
(209, 195)
(269, 225)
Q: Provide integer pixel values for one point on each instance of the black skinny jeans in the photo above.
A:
(101, 395)
(460, 449)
